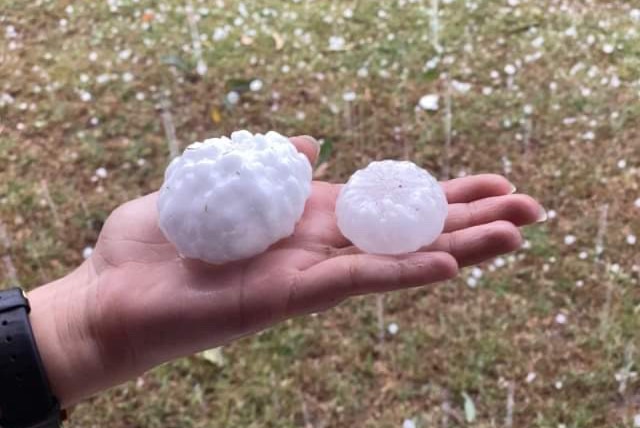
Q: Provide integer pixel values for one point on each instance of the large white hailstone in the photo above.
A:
(230, 199)
(391, 207)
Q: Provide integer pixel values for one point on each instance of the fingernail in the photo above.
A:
(513, 188)
(542, 217)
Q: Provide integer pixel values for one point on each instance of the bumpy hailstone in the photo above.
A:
(391, 207)
(230, 199)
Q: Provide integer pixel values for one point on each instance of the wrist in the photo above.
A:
(61, 322)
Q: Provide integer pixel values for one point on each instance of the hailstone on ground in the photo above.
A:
(391, 207)
(230, 199)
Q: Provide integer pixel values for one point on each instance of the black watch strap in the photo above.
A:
(26, 400)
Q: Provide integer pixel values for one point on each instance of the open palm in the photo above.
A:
(153, 305)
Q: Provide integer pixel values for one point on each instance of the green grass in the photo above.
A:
(332, 369)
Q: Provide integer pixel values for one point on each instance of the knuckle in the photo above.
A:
(293, 287)
(505, 236)
(353, 271)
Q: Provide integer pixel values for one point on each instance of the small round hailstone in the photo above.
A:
(336, 43)
(608, 48)
(408, 423)
(201, 68)
(393, 329)
(476, 272)
(391, 207)
(233, 97)
(429, 102)
(230, 199)
(510, 69)
(461, 87)
(349, 96)
(101, 172)
(561, 319)
(255, 85)
(86, 252)
(531, 376)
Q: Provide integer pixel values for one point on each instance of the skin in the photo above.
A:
(135, 303)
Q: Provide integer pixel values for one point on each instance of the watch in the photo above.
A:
(26, 400)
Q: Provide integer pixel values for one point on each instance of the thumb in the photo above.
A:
(308, 146)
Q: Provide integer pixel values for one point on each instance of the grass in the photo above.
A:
(83, 86)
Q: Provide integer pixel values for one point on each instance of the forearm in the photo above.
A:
(60, 318)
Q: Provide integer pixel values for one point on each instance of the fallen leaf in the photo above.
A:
(216, 116)
(469, 408)
(278, 40)
(214, 356)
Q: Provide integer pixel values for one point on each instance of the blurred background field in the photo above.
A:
(96, 96)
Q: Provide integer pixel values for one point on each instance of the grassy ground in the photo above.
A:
(546, 92)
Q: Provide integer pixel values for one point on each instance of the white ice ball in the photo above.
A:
(230, 199)
(391, 207)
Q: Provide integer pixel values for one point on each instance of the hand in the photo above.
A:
(136, 303)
